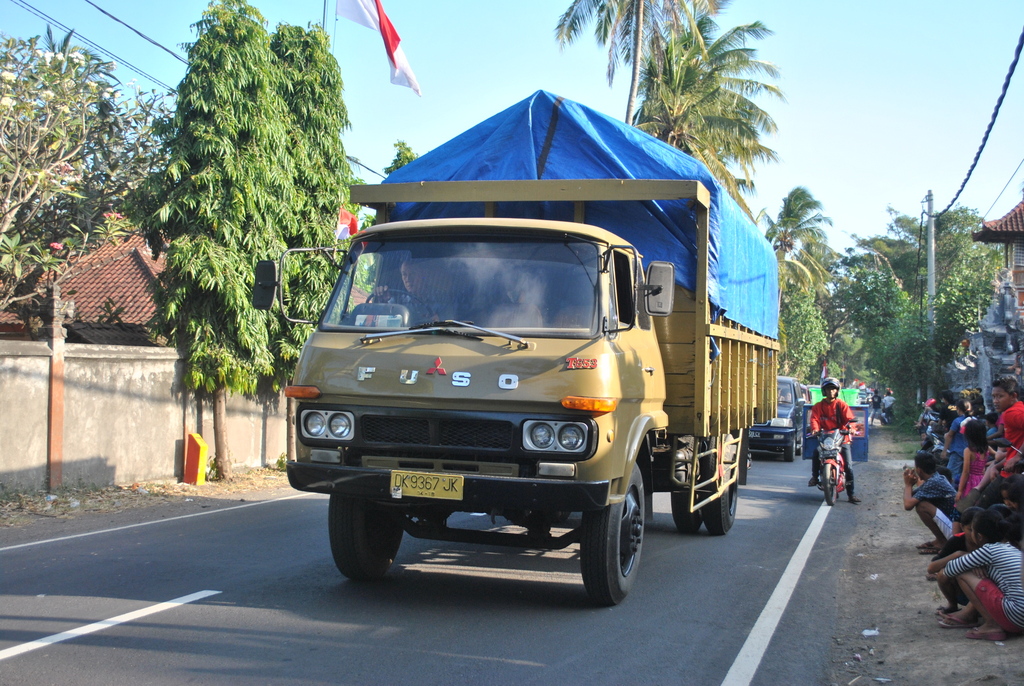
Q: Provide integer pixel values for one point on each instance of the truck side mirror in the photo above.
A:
(660, 289)
(265, 290)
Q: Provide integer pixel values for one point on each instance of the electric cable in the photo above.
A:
(1004, 189)
(991, 123)
(45, 17)
(140, 33)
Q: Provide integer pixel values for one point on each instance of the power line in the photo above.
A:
(140, 33)
(1004, 188)
(45, 17)
(991, 123)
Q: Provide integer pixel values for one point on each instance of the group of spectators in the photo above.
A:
(969, 498)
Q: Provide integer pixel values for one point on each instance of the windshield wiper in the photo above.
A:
(441, 327)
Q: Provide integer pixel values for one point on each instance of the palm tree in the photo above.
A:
(798, 237)
(700, 100)
(631, 30)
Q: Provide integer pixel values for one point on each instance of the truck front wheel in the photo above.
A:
(364, 539)
(610, 545)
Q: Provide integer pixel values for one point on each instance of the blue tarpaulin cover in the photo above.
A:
(547, 137)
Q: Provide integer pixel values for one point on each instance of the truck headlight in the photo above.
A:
(542, 436)
(782, 421)
(571, 437)
(551, 436)
(340, 425)
(314, 424)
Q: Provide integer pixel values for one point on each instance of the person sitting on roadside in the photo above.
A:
(1012, 491)
(975, 457)
(927, 416)
(1011, 418)
(990, 577)
(991, 428)
(958, 545)
(828, 414)
(932, 499)
(955, 443)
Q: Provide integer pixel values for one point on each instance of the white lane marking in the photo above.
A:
(104, 624)
(749, 658)
(155, 521)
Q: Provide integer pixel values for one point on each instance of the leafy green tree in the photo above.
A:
(403, 156)
(255, 166)
(956, 253)
(311, 88)
(72, 149)
(632, 30)
(803, 332)
(699, 95)
(798, 237)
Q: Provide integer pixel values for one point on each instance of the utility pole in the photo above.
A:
(931, 274)
(931, 263)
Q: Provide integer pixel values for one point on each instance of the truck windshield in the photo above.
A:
(509, 284)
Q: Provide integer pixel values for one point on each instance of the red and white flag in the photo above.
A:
(370, 13)
(348, 224)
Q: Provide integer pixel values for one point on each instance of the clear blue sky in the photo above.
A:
(885, 100)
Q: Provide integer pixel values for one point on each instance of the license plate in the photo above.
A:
(755, 434)
(425, 485)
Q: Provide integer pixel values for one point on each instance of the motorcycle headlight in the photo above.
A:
(314, 424)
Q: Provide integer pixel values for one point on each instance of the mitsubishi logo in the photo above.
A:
(437, 368)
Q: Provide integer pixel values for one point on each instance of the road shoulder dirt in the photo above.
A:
(883, 587)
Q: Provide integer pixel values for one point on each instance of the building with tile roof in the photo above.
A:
(111, 291)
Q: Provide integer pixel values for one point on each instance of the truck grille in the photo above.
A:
(461, 433)
(476, 434)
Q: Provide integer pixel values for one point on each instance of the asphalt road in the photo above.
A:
(448, 613)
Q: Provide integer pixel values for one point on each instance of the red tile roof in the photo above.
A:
(118, 274)
(1004, 230)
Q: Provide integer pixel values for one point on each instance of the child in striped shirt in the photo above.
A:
(990, 577)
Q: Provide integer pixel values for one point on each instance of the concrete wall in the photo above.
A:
(24, 378)
(125, 415)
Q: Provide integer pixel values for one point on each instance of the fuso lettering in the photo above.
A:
(580, 363)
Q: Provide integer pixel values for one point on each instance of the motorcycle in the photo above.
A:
(933, 443)
(833, 468)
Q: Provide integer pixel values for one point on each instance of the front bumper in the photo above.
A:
(481, 493)
(770, 439)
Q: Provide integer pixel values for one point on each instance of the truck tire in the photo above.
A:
(720, 514)
(686, 522)
(610, 545)
(789, 452)
(364, 539)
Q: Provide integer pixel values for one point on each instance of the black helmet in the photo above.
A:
(830, 381)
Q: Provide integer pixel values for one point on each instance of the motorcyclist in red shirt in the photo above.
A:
(828, 414)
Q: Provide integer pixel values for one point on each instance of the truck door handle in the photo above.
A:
(649, 370)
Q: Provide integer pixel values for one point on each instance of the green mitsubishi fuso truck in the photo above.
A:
(548, 352)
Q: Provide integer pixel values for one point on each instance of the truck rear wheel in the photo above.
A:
(686, 522)
(720, 514)
(364, 539)
(610, 545)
